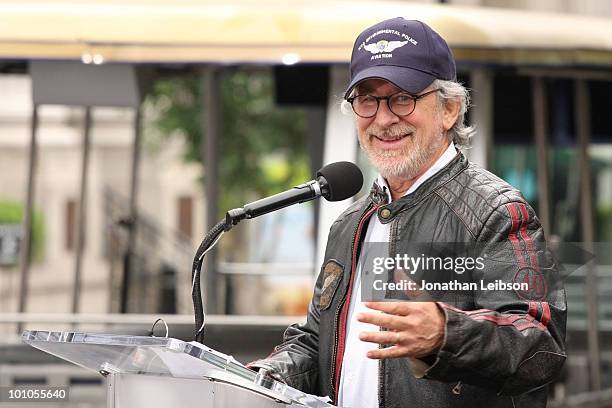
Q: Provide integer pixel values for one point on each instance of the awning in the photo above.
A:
(267, 31)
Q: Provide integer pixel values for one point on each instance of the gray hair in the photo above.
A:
(460, 133)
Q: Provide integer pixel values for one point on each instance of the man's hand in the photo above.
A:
(415, 329)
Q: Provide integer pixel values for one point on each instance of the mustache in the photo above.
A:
(389, 132)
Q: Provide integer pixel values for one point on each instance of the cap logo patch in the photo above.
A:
(384, 48)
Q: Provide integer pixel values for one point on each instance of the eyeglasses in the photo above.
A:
(400, 103)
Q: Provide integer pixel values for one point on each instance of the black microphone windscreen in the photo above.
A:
(344, 180)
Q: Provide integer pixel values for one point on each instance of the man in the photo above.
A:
(492, 348)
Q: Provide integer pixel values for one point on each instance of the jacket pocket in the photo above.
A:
(332, 274)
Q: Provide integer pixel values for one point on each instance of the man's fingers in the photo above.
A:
(396, 308)
(380, 337)
(390, 352)
(388, 321)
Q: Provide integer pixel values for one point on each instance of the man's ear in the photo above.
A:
(450, 112)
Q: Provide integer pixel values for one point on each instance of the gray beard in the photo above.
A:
(414, 158)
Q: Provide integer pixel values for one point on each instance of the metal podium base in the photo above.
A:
(133, 390)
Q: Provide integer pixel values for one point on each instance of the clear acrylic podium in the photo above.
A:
(165, 372)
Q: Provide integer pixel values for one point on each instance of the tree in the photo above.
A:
(262, 146)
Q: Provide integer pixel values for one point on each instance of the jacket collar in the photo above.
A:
(379, 197)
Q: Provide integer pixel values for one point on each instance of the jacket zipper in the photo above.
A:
(338, 354)
(381, 362)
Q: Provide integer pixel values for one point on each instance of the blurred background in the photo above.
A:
(128, 128)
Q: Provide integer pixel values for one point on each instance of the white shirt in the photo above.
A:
(359, 375)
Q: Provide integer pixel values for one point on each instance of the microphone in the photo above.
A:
(335, 182)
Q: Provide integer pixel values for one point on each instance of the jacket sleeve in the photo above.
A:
(511, 342)
(295, 360)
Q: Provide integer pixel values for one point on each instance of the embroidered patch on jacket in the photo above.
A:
(332, 274)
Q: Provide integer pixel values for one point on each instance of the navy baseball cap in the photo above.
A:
(407, 53)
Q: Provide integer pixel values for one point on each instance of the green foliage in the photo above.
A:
(12, 212)
(262, 147)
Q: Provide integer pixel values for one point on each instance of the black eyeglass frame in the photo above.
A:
(415, 98)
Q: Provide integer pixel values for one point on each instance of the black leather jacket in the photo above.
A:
(497, 352)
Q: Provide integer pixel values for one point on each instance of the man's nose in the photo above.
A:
(384, 116)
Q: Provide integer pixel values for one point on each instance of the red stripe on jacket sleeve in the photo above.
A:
(519, 321)
(545, 313)
(512, 235)
(501, 320)
(525, 236)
